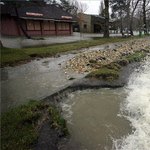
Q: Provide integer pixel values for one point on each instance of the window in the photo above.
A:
(30, 25)
(52, 25)
(63, 26)
(37, 25)
(49, 25)
(46, 25)
(67, 26)
(85, 26)
(59, 26)
(33, 25)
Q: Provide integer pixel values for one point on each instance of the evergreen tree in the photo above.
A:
(66, 6)
(102, 9)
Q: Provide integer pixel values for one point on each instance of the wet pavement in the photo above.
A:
(39, 78)
(22, 42)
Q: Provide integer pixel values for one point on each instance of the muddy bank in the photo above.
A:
(54, 139)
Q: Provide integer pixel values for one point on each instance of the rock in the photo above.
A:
(60, 133)
(123, 62)
(82, 62)
(123, 54)
(71, 78)
(101, 58)
(57, 55)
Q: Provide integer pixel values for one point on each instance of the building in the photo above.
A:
(36, 20)
(91, 23)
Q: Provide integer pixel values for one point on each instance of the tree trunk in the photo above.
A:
(144, 17)
(106, 31)
(121, 24)
(128, 15)
(131, 22)
(20, 24)
(121, 27)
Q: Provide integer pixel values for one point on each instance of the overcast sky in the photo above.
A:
(93, 6)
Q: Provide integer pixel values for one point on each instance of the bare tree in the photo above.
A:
(128, 13)
(146, 9)
(143, 15)
(119, 11)
(72, 6)
(79, 7)
(106, 31)
(134, 5)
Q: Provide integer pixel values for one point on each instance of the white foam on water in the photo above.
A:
(136, 108)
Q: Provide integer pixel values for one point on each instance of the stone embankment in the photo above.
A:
(83, 62)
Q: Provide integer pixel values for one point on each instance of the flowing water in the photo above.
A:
(111, 119)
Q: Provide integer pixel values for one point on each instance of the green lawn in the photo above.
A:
(12, 55)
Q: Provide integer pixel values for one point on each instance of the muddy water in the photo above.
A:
(93, 118)
(111, 119)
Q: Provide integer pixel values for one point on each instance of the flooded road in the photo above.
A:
(38, 79)
(32, 81)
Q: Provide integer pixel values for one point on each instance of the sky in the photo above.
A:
(93, 6)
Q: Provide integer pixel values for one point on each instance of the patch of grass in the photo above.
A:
(110, 72)
(12, 55)
(18, 130)
(57, 121)
(9, 55)
(114, 66)
(104, 74)
(122, 62)
(136, 57)
(92, 61)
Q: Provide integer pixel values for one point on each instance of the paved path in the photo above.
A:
(22, 42)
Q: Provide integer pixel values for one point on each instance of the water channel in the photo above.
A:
(111, 119)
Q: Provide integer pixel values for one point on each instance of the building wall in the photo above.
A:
(95, 21)
(85, 23)
(9, 26)
(88, 23)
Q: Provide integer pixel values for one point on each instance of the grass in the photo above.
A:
(57, 121)
(18, 125)
(110, 72)
(138, 56)
(104, 74)
(12, 55)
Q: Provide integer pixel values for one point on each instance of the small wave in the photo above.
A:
(136, 108)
